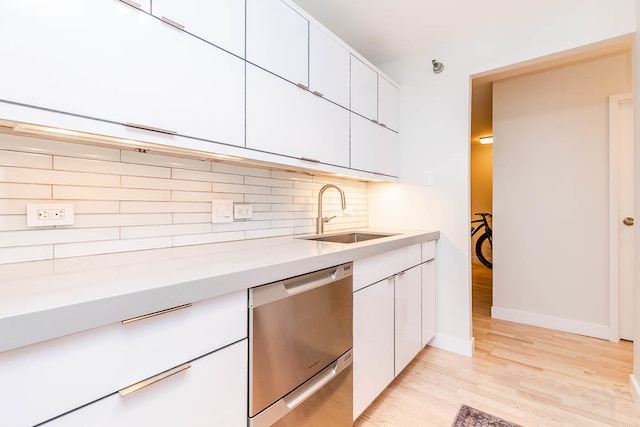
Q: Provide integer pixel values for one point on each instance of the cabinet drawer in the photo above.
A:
(211, 392)
(428, 250)
(373, 269)
(46, 379)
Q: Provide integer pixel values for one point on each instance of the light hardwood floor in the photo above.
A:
(527, 375)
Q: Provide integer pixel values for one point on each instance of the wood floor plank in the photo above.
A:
(527, 375)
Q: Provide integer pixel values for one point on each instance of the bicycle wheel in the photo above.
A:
(484, 251)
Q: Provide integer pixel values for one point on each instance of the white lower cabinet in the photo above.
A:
(408, 316)
(212, 392)
(373, 349)
(46, 379)
(393, 318)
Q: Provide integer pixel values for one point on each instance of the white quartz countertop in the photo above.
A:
(48, 299)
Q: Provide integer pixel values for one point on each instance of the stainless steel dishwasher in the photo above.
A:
(300, 351)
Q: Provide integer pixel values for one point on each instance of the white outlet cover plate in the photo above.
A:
(242, 211)
(35, 220)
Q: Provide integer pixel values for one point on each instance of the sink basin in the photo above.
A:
(351, 237)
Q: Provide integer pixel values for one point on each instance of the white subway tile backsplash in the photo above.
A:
(66, 250)
(96, 193)
(268, 182)
(272, 232)
(200, 239)
(163, 230)
(129, 201)
(13, 222)
(257, 198)
(25, 253)
(236, 188)
(158, 207)
(24, 191)
(161, 160)
(206, 176)
(224, 168)
(191, 218)
(191, 196)
(121, 220)
(164, 184)
(36, 237)
(47, 176)
(30, 160)
(115, 168)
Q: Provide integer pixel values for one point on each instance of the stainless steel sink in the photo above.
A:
(351, 237)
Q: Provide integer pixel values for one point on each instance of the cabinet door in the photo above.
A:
(428, 301)
(408, 317)
(220, 22)
(278, 40)
(373, 147)
(364, 89)
(328, 67)
(373, 336)
(287, 120)
(110, 61)
(388, 104)
(212, 392)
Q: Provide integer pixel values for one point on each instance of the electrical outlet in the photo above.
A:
(242, 211)
(48, 215)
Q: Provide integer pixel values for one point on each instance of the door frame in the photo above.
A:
(614, 216)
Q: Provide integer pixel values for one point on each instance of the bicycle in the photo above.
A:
(484, 244)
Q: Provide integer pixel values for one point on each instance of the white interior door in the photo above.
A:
(621, 215)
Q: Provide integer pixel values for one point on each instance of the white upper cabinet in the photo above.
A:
(278, 40)
(109, 61)
(220, 22)
(287, 120)
(329, 65)
(388, 104)
(364, 89)
(373, 147)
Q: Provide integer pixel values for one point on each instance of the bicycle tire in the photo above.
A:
(484, 251)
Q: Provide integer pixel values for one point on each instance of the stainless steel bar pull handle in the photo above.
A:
(316, 93)
(151, 380)
(295, 287)
(132, 4)
(155, 313)
(307, 159)
(302, 86)
(151, 128)
(172, 23)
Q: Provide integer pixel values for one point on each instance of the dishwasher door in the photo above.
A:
(297, 328)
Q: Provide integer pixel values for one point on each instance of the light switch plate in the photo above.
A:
(428, 178)
(221, 210)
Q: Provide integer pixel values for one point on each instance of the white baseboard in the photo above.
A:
(634, 388)
(551, 322)
(454, 345)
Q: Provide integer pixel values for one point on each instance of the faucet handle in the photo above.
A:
(328, 218)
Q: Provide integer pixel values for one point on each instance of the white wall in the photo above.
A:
(551, 194)
(435, 116)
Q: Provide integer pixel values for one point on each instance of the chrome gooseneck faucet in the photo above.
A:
(320, 221)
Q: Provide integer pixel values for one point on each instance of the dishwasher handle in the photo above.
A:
(289, 402)
(285, 288)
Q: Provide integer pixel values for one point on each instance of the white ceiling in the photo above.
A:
(382, 30)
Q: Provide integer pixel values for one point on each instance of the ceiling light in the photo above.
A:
(486, 140)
